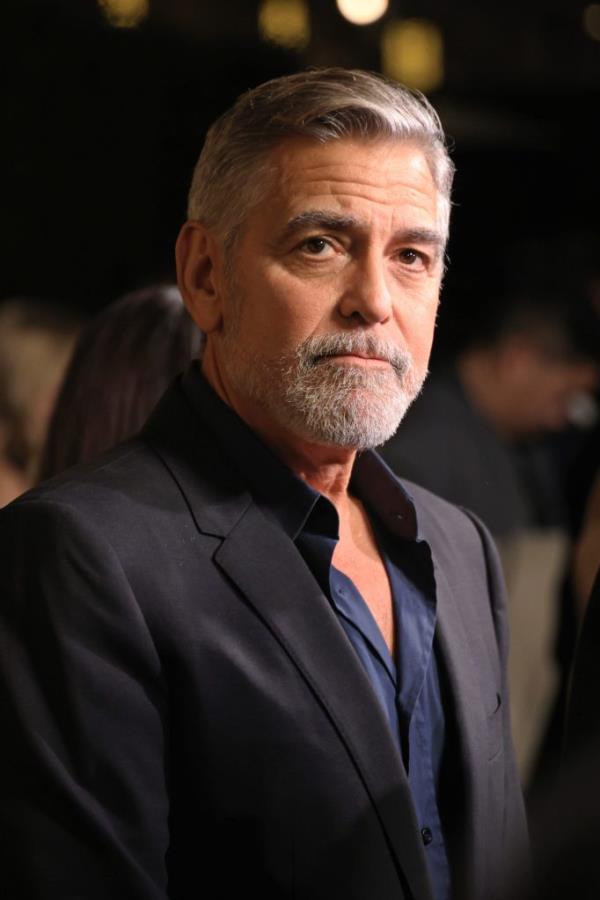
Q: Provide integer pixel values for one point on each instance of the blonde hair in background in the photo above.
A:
(36, 341)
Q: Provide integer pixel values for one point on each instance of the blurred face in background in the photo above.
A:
(543, 387)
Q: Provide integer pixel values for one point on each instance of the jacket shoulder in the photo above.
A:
(125, 500)
(119, 478)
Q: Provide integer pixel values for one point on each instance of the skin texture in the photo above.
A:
(346, 239)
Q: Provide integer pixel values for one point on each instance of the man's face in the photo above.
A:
(332, 291)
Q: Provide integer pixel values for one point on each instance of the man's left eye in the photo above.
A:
(411, 257)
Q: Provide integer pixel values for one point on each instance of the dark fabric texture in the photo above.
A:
(408, 686)
(583, 711)
(183, 715)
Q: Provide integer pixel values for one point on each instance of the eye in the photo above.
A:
(416, 260)
(315, 246)
(412, 257)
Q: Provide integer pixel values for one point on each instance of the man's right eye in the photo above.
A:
(315, 245)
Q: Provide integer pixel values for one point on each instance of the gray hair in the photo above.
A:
(230, 177)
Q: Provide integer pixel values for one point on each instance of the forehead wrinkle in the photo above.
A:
(348, 171)
(330, 170)
(301, 164)
(347, 152)
(329, 187)
(371, 192)
(356, 178)
(401, 211)
(365, 183)
(326, 218)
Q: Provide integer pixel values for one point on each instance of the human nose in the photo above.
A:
(366, 292)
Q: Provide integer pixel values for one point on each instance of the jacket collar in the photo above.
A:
(281, 495)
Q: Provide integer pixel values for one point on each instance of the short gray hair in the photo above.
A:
(230, 177)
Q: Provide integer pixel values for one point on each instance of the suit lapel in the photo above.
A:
(456, 645)
(269, 571)
(266, 566)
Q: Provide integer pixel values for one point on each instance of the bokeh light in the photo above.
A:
(591, 20)
(125, 13)
(362, 12)
(412, 51)
(284, 22)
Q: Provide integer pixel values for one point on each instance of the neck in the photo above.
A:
(326, 468)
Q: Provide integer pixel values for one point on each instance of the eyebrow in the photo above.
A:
(319, 218)
(332, 221)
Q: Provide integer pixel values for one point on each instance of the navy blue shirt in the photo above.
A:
(407, 687)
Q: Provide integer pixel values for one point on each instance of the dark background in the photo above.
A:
(101, 128)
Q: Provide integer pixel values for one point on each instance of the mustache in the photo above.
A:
(316, 349)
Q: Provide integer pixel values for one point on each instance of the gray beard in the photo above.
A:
(332, 403)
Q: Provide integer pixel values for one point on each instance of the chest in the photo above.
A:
(364, 567)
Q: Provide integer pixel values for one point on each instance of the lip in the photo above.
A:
(360, 359)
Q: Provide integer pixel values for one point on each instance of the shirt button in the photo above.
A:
(426, 835)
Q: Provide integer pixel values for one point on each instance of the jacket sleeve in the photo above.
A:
(82, 768)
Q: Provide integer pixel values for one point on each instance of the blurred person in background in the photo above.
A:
(586, 556)
(583, 709)
(565, 829)
(565, 813)
(123, 362)
(474, 436)
(36, 341)
(471, 435)
(583, 713)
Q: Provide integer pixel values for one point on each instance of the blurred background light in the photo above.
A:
(591, 20)
(125, 13)
(412, 51)
(285, 23)
(362, 12)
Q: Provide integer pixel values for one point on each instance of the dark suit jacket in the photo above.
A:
(583, 711)
(183, 714)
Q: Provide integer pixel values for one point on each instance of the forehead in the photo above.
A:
(387, 175)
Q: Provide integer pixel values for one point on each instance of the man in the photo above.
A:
(240, 658)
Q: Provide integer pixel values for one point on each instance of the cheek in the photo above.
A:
(421, 352)
(291, 309)
(419, 328)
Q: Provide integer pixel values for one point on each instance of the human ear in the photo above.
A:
(198, 275)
